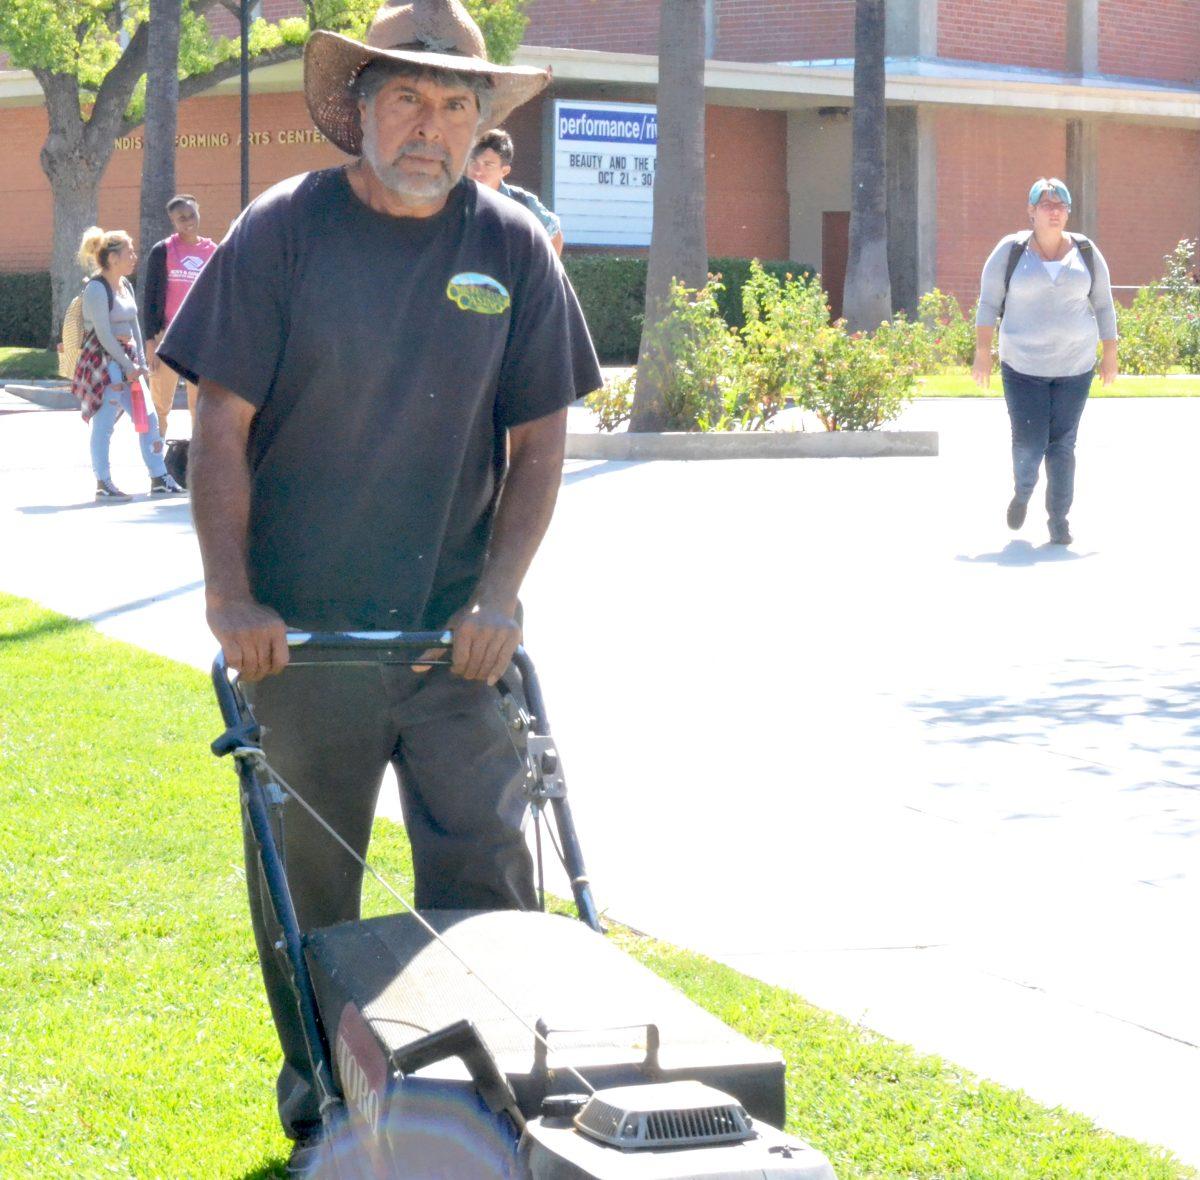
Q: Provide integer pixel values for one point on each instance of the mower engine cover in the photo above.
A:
(713, 1137)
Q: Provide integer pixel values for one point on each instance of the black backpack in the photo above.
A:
(1018, 248)
(176, 460)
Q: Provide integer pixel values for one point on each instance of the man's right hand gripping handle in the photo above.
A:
(252, 636)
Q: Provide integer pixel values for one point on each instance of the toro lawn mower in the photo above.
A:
(479, 1045)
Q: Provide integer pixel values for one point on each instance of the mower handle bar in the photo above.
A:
(334, 641)
(369, 643)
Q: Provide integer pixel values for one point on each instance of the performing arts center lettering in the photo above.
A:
(222, 139)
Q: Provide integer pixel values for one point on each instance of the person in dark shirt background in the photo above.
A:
(171, 269)
(491, 162)
(385, 353)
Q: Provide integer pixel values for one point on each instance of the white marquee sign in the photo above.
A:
(604, 160)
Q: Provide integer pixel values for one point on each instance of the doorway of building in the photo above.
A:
(835, 249)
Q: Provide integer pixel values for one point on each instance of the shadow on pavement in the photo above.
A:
(52, 509)
(1071, 717)
(1024, 553)
(605, 467)
(138, 603)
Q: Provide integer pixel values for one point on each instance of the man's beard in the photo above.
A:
(410, 187)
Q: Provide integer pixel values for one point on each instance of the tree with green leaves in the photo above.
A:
(90, 59)
(678, 240)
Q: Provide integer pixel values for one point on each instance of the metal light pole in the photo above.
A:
(245, 23)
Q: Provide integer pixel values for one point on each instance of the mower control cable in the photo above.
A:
(254, 755)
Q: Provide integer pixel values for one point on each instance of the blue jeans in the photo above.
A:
(1045, 413)
(105, 418)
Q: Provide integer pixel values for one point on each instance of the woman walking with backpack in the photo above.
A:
(1052, 290)
(112, 361)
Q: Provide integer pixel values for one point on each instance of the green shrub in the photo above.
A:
(613, 402)
(714, 377)
(612, 293)
(694, 360)
(1147, 335)
(25, 310)
(734, 273)
(951, 333)
(782, 319)
(1184, 296)
(1161, 327)
(855, 382)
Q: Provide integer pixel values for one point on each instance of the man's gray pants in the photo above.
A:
(330, 732)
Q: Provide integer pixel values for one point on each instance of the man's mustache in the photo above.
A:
(428, 150)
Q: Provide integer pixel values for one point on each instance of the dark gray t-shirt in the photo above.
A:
(386, 358)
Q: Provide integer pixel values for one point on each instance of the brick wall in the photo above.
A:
(985, 164)
(619, 26)
(783, 30)
(1151, 40)
(1149, 197)
(747, 200)
(746, 30)
(25, 223)
(1029, 33)
(211, 172)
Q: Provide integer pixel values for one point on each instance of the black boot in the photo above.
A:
(1060, 532)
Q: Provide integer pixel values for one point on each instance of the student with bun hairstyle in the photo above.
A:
(112, 359)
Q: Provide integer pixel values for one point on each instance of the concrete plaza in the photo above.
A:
(830, 722)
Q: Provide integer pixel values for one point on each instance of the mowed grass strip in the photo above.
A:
(31, 364)
(134, 1038)
(959, 383)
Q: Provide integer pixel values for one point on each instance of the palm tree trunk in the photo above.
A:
(678, 242)
(162, 104)
(868, 292)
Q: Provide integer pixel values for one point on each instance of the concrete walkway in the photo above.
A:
(830, 722)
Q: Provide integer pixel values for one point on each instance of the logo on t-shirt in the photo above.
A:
(191, 262)
(476, 292)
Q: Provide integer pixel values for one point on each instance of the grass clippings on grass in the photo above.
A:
(134, 1036)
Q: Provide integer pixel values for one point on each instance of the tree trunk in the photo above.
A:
(75, 155)
(75, 193)
(678, 242)
(162, 105)
(868, 293)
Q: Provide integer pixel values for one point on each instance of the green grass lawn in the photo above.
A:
(28, 363)
(134, 1039)
(958, 383)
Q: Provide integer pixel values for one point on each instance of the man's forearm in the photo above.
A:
(524, 510)
(219, 482)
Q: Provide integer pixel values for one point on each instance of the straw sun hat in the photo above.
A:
(438, 34)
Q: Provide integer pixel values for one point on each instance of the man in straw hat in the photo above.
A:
(385, 352)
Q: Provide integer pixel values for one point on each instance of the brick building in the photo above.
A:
(983, 97)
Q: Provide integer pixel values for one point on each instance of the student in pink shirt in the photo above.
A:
(171, 269)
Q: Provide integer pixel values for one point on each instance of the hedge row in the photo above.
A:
(25, 310)
(612, 290)
(612, 293)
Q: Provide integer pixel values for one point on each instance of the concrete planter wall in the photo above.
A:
(757, 444)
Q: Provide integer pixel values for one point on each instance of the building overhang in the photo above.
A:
(797, 85)
(792, 85)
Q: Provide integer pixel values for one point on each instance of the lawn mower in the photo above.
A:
(520, 1045)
